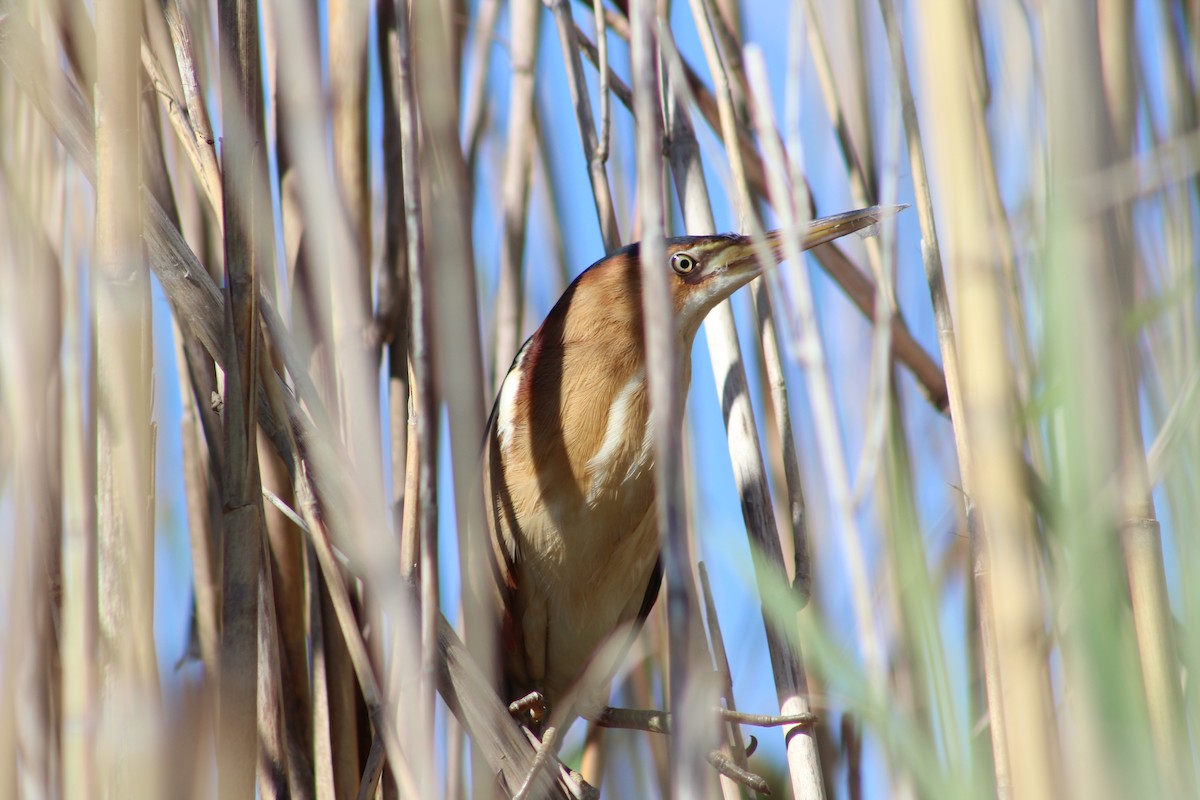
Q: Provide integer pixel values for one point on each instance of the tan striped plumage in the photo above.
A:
(567, 463)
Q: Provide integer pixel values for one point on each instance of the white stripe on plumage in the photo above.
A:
(506, 413)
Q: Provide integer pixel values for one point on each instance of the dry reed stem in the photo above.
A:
(287, 658)
(666, 402)
(468, 693)
(852, 124)
(129, 672)
(1024, 368)
(482, 41)
(276, 777)
(525, 18)
(454, 317)
(210, 171)
(935, 277)
(350, 289)
(196, 302)
(601, 192)
(602, 68)
(820, 389)
(746, 457)
(863, 184)
(557, 276)
(421, 466)
(30, 380)
(391, 314)
(766, 322)
(356, 485)
(200, 430)
(734, 745)
(1007, 571)
(246, 237)
(821, 400)
(79, 620)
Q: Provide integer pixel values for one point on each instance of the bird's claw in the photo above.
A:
(531, 708)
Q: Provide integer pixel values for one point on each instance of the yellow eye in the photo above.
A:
(683, 264)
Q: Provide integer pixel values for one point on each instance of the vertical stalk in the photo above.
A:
(601, 192)
(425, 402)
(79, 620)
(247, 240)
(1005, 566)
(453, 309)
(524, 16)
(804, 762)
(124, 457)
(690, 742)
(939, 296)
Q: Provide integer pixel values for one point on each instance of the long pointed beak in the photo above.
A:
(744, 258)
(818, 232)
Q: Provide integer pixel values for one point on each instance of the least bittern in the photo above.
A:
(568, 463)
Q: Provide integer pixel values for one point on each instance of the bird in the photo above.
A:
(568, 466)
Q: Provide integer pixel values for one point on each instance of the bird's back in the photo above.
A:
(569, 476)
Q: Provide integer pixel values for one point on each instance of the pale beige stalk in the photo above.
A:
(1006, 570)
(125, 456)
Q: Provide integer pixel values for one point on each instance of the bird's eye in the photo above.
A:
(683, 264)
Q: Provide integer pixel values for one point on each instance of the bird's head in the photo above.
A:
(707, 269)
(604, 304)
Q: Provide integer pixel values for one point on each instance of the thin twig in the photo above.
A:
(210, 171)
(717, 641)
(525, 16)
(601, 192)
(482, 41)
(602, 68)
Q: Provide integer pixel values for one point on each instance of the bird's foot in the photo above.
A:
(531, 708)
(654, 721)
(725, 765)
